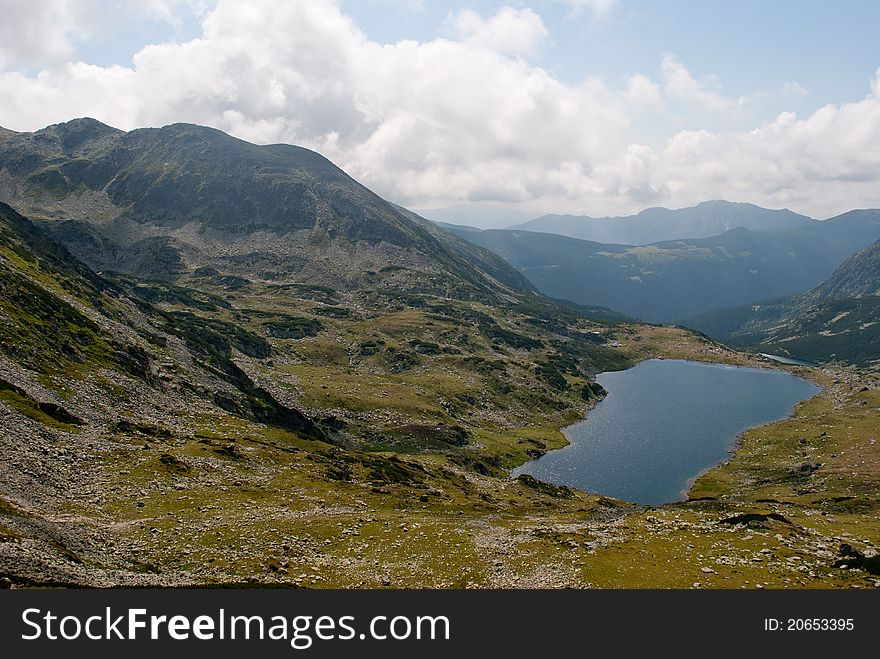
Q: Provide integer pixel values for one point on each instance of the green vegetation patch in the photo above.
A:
(48, 414)
(332, 311)
(164, 293)
(291, 327)
(549, 489)
(48, 335)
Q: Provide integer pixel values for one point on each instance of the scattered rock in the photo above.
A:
(755, 518)
(869, 565)
(173, 463)
(848, 551)
(558, 491)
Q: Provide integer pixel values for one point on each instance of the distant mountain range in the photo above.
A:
(671, 281)
(653, 225)
(837, 320)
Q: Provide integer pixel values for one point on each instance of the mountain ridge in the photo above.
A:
(62, 318)
(656, 224)
(192, 196)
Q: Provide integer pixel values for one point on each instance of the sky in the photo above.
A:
(496, 110)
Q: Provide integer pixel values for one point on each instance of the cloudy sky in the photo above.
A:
(498, 108)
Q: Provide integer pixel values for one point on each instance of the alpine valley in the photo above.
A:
(757, 255)
(224, 364)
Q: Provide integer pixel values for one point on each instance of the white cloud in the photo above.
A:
(642, 93)
(823, 164)
(420, 122)
(515, 31)
(35, 33)
(46, 33)
(468, 118)
(680, 84)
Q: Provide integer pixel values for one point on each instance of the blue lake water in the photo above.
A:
(663, 423)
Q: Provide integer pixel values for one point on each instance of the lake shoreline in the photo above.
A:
(741, 437)
(739, 360)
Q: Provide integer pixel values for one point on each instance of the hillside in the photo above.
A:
(857, 277)
(132, 399)
(838, 320)
(156, 202)
(63, 323)
(654, 225)
(674, 280)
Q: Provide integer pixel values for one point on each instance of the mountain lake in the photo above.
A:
(662, 424)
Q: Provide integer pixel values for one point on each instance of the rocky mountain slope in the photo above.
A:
(838, 320)
(156, 202)
(857, 277)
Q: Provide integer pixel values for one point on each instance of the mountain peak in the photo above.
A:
(82, 126)
(721, 203)
(82, 123)
(651, 210)
(74, 135)
(191, 196)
